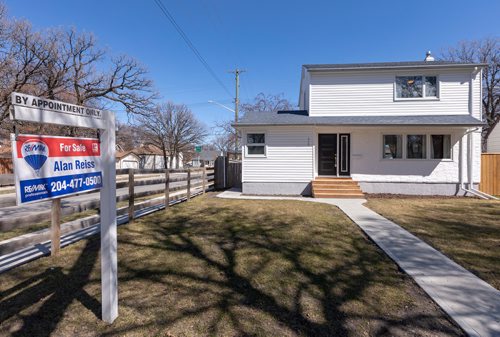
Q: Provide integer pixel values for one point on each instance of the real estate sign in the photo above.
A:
(42, 110)
(47, 167)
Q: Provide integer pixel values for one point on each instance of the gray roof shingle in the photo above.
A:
(301, 117)
(391, 65)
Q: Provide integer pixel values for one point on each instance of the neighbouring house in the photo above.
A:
(144, 157)
(396, 127)
(493, 142)
(205, 158)
(127, 159)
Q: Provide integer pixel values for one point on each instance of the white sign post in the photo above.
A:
(39, 110)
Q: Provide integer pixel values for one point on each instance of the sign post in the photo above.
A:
(56, 170)
(55, 227)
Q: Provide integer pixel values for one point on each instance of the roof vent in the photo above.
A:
(428, 57)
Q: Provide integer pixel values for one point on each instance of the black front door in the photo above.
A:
(327, 154)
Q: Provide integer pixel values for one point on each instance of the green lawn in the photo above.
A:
(465, 229)
(214, 267)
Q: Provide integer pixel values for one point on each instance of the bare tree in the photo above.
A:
(269, 102)
(22, 56)
(67, 65)
(483, 51)
(174, 129)
(124, 83)
(224, 142)
(129, 136)
(227, 136)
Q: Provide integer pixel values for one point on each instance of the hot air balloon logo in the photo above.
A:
(35, 152)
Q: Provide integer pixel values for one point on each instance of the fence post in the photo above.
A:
(203, 177)
(188, 185)
(55, 231)
(130, 195)
(167, 189)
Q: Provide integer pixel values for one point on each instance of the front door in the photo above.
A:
(327, 154)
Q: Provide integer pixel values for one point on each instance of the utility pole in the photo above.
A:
(237, 73)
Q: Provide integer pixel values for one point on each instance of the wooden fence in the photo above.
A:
(490, 173)
(227, 173)
(166, 188)
(6, 166)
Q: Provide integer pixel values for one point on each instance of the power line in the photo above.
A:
(186, 39)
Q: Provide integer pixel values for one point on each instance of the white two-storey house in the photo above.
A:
(398, 127)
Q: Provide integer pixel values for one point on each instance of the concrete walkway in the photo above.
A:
(472, 303)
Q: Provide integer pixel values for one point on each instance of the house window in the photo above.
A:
(415, 147)
(440, 146)
(393, 147)
(256, 144)
(430, 85)
(416, 87)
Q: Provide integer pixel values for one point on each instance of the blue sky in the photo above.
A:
(270, 39)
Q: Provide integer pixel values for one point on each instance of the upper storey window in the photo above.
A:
(416, 87)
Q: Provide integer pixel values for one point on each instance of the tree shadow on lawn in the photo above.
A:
(60, 288)
(466, 232)
(231, 272)
(207, 269)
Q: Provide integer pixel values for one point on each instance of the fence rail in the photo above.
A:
(171, 189)
(490, 173)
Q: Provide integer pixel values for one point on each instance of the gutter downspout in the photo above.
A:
(471, 188)
(470, 146)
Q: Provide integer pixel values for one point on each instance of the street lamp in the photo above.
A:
(235, 121)
(222, 105)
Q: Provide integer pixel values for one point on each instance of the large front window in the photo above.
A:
(256, 144)
(415, 146)
(416, 87)
(440, 147)
(393, 146)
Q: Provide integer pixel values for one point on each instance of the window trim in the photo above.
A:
(404, 136)
(424, 97)
(425, 147)
(402, 145)
(264, 145)
(430, 146)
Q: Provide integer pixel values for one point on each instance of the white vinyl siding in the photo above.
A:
(372, 93)
(493, 142)
(476, 104)
(289, 157)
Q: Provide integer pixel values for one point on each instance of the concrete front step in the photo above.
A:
(322, 183)
(340, 196)
(326, 187)
(337, 190)
(340, 186)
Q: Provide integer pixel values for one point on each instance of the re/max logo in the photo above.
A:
(34, 147)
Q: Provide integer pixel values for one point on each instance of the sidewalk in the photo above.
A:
(472, 303)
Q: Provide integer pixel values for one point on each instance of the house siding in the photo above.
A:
(493, 143)
(372, 93)
(367, 164)
(129, 161)
(289, 156)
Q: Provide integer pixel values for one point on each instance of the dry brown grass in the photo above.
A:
(465, 229)
(214, 267)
